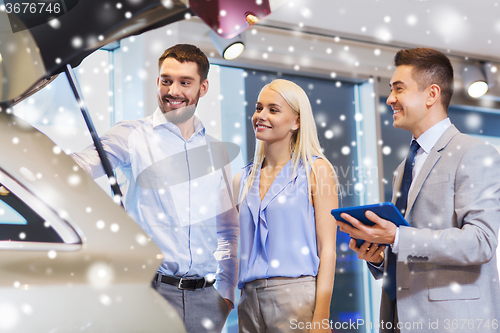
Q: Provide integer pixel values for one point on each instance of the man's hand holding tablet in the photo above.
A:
(370, 226)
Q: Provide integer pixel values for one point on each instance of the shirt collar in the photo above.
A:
(429, 138)
(160, 119)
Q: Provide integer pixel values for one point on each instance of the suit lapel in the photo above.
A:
(396, 183)
(432, 159)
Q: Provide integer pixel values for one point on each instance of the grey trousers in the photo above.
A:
(277, 305)
(201, 310)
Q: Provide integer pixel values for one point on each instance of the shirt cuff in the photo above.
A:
(226, 291)
(395, 246)
(378, 266)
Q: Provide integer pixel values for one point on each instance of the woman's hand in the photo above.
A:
(321, 322)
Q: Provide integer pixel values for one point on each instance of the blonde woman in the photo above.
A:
(287, 235)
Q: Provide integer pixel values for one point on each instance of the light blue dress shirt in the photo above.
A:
(277, 234)
(175, 195)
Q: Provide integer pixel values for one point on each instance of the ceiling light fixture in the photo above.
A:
(252, 19)
(478, 79)
(229, 49)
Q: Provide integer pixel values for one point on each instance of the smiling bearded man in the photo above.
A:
(184, 208)
(180, 86)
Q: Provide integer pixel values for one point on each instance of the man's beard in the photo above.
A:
(177, 115)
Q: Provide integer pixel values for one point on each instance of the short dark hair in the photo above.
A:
(187, 52)
(429, 66)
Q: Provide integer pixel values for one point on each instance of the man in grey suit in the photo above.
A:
(445, 264)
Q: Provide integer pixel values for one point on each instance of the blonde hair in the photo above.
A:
(304, 143)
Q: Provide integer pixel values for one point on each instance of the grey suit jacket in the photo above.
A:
(447, 273)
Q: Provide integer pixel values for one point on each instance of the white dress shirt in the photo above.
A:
(175, 195)
(427, 141)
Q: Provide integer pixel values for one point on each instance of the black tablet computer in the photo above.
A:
(385, 210)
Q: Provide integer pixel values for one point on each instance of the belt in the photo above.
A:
(184, 284)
